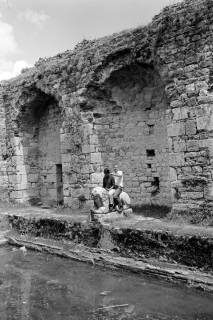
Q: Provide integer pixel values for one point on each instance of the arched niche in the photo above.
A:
(130, 120)
(38, 149)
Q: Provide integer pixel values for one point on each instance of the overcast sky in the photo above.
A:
(30, 29)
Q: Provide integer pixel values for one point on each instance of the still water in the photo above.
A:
(39, 286)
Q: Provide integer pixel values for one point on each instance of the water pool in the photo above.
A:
(40, 286)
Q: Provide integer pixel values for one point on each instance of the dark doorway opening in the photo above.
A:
(59, 184)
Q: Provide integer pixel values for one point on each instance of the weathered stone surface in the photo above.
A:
(131, 237)
(140, 98)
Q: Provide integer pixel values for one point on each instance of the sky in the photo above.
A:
(30, 29)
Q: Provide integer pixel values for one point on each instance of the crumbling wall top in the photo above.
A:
(80, 66)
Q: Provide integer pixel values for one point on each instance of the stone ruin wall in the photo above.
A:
(130, 122)
(141, 98)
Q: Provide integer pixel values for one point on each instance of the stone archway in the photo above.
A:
(38, 149)
(130, 121)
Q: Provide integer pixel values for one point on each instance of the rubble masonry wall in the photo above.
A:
(130, 121)
(176, 48)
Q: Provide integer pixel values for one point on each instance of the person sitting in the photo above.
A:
(115, 192)
(109, 184)
(101, 203)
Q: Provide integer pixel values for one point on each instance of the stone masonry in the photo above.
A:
(142, 99)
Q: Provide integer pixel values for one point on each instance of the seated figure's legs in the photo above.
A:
(116, 196)
(117, 193)
(111, 196)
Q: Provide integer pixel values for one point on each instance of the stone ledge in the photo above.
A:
(134, 237)
(103, 258)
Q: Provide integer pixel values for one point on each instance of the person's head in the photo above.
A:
(115, 168)
(106, 172)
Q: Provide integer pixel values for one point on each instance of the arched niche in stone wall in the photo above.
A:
(37, 148)
(130, 120)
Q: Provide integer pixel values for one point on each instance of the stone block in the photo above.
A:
(176, 129)
(147, 184)
(22, 182)
(72, 203)
(66, 157)
(51, 177)
(208, 144)
(193, 145)
(190, 89)
(176, 104)
(192, 195)
(32, 177)
(205, 123)
(52, 194)
(173, 174)
(88, 148)
(197, 169)
(205, 98)
(176, 159)
(93, 139)
(191, 128)
(22, 194)
(76, 192)
(209, 192)
(87, 130)
(179, 146)
(180, 113)
(85, 169)
(19, 150)
(12, 178)
(66, 192)
(186, 170)
(170, 144)
(96, 157)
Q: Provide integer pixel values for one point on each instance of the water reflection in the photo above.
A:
(38, 286)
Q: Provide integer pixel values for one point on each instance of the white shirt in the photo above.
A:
(118, 178)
